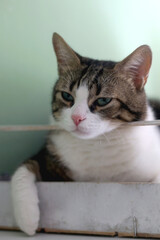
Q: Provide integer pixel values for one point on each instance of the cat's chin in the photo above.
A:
(90, 134)
(85, 134)
(81, 134)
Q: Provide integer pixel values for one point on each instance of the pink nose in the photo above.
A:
(77, 119)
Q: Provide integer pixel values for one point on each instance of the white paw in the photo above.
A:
(27, 216)
(25, 200)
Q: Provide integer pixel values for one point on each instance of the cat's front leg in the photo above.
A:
(25, 198)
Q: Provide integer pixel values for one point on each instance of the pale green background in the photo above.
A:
(104, 29)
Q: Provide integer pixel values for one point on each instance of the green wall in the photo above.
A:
(104, 29)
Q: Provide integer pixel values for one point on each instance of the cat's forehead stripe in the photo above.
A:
(96, 82)
(85, 76)
(90, 76)
(82, 76)
(84, 72)
(72, 85)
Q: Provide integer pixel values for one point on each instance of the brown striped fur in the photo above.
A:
(47, 167)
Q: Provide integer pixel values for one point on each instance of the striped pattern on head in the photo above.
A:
(111, 92)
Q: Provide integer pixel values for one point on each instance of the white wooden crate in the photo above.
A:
(92, 208)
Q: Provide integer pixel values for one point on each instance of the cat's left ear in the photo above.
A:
(66, 57)
(137, 65)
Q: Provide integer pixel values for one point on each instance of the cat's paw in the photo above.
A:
(25, 200)
(27, 216)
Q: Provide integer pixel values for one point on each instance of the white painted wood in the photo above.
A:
(103, 207)
(92, 207)
(6, 211)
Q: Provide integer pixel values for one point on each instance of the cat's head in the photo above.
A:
(93, 97)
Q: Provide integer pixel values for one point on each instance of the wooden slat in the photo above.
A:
(16, 128)
(50, 230)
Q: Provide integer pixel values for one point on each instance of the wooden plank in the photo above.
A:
(5, 228)
(93, 208)
(49, 230)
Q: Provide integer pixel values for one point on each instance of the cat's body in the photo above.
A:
(91, 102)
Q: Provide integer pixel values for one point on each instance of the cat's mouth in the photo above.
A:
(81, 132)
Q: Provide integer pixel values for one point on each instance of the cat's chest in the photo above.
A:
(112, 158)
(100, 159)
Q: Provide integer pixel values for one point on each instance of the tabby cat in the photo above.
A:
(91, 101)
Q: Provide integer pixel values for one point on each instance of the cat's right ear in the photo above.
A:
(136, 66)
(66, 57)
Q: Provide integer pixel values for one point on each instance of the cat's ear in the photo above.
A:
(137, 65)
(66, 57)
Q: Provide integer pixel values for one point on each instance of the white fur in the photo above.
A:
(111, 152)
(25, 200)
(129, 154)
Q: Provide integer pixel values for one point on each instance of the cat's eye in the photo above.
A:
(103, 101)
(67, 97)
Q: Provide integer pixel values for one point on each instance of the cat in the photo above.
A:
(91, 102)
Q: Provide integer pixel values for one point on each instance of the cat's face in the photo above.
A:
(94, 97)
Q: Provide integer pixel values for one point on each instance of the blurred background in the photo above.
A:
(101, 29)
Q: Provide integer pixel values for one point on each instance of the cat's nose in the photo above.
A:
(77, 119)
